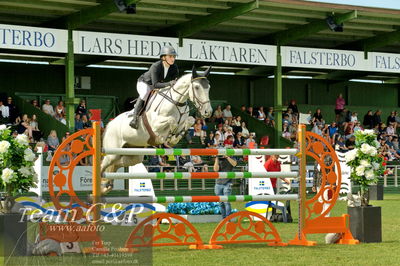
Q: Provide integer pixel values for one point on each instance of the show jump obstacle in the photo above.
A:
(241, 227)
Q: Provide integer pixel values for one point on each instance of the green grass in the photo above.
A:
(385, 253)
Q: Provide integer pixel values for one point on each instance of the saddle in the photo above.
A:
(147, 99)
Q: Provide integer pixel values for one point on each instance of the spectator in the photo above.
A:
(48, 108)
(357, 127)
(228, 132)
(261, 115)
(273, 165)
(250, 111)
(198, 130)
(228, 143)
(198, 164)
(325, 133)
(243, 108)
(377, 117)
(270, 115)
(218, 115)
(4, 113)
(60, 110)
(268, 122)
(153, 160)
(368, 121)
(285, 130)
(12, 110)
(35, 104)
(210, 141)
(250, 142)
(291, 117)
(35, 128)
(239, 142)
(245, 131)
(81, 109)
(390, 131)
(227, 113)
(294, 108)
(339, 106)
(52, 140)
(25, 128)
(237, 124)
(78, 122)
(220, 131)
(223, 186)
(340, 145)
(85, 122)
(165, 165)
(351, 142)
(333, 130)
(354, 117)
(391, 120)
(64, 120)
(217, 140)
(349, 130)
(317, 129)
(317, 117)
(67, 134)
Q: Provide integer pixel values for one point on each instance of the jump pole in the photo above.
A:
(96, 178)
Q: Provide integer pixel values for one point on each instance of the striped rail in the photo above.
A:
(200, 175)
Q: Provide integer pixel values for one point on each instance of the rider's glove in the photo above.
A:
(172, 83)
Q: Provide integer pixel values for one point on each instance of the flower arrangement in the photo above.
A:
(16, 163)
(366, 165)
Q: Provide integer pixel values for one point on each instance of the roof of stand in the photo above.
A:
(285, 22)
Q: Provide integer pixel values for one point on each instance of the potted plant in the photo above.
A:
(16, 167)
(366, 166)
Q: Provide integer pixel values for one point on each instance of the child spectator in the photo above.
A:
(250, 142)
(217, 140)
(354, 117)
(270, 115)
(198, 130)
(81, 109)
(210, 141)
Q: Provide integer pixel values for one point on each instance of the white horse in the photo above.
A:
(165, 120)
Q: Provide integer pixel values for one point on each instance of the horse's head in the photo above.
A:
(199, 92)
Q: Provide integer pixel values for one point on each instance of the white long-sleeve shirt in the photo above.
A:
(5, 111)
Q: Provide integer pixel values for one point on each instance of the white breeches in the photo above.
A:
(142, 88)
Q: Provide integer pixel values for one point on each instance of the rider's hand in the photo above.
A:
(172, 83)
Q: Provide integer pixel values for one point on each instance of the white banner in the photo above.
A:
(140, 187)
(110, 44)
(384, 62)
(32, 38)
(259, 186)
(81, 181)
(324, 58)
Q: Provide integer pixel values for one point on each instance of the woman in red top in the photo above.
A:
(228, 143)
(273, 165)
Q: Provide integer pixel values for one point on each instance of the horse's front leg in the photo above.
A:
(163, 126)
(182, 129)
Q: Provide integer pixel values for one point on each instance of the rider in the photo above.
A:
(162, 73)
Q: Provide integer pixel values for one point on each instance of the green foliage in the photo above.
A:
(16, 163)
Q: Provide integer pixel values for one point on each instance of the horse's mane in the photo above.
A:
(182, 81)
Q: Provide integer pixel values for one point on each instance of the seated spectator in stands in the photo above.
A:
(239, 141)
(293, 129)
(78, 122)
(268, 122)
(198, 164)
(377, 117)
(340, 145)
(67, 134)
(64, 120)
(354, 117)
(35, 104)
(357, 126)
(4, 113)
(81, 109)
(85, 122)
(228, 143)
(397, 117)
(153, 160)
(291, 117)
(243, 108)
(270, 115)
(48, 108)
(24, 127)
(351, 142)
(210, 141)
(309, 117)
(333, 131)
(228, 132)
(317, 128)
(382, 129)
(250, 111)
(52, 140)
(12, 110)
(368, 121)
(251, 142)
(317, 117)
(227, 113)
(395, 142)
(35, 128)
(60, 110)
(391, 120)
(245, 131)
(292, 105)
(325, 133)
(390, 131)
(286, 119)
(339, 106)
(285, 130)
(218, 140)
(220, 131)
(164, 163)
(198, 130)
(237, 124)
(218, 115)
(260, 114)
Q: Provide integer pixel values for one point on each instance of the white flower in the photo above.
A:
(373, 151)
(22, 139)
(3, 127)
(376, 144)
(365, 163)
(369, 132)
(351, 155)
(4, 145)
(360, 170)
(375, 165)
(25, 171)
(365, 148)
(29, 155)
(369, 174)
(7, 175)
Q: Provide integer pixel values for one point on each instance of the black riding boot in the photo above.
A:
(135, 120)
